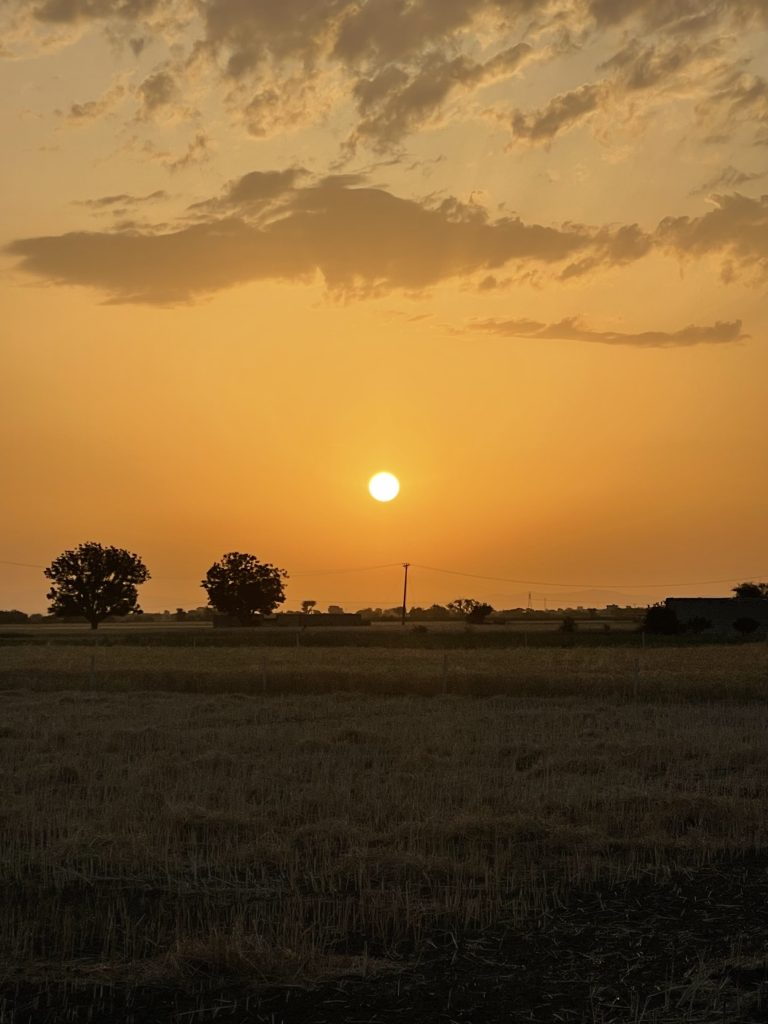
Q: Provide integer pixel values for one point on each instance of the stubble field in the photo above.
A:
(529, 835)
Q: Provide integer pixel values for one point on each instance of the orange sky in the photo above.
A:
(515, 253)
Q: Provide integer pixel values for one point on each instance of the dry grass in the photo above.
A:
(718, 672)
(153, 836)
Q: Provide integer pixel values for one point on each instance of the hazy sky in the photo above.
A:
(514, 252)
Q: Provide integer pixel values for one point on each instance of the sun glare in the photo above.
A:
(384, 486)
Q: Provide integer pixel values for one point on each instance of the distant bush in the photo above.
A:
(13, 617)
(746, 626)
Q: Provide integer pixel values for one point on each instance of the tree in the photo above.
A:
(480, 613)
(751, 590)
(308, 607)
(95, 581)
(470, 609)
(241, 585)
(659, 618)
(463, 606)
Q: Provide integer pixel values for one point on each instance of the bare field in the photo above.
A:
(718, 672)
(242, 851)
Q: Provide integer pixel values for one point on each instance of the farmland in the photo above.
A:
(331, 834)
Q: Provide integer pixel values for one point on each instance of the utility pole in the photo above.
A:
(405, 590)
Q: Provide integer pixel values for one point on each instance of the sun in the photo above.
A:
(384, 487)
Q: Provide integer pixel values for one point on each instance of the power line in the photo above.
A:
(587, 586)
(292, 575)
(456, 572)
(339, 572)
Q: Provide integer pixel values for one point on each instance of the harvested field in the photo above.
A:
(717, 672)
(320, 857)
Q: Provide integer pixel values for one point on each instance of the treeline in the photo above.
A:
(96, 582)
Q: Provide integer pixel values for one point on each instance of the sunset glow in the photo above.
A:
(252, 251)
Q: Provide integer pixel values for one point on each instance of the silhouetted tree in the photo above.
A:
(746, 625)
(661, 619)
(95, 582)
(568, 625)
(470, 609)
(241, 585)
(463, 606)
(751, 590)
(479, 613)
(308, 607)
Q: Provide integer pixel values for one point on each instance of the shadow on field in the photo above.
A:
(687, 946)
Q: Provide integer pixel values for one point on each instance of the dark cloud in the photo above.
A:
(682, 15)
(740, 98)
(72, 11)
(197, 152)
(362, 240)
(359, 240)
(562, 112)
(737, 229)
(252, 31)
(394, 102)
(730, 177)
(640, 66)
(404, 55)
(123, 199)
(158, 90)
(612, 247)
(573, 329)
(382, 31)
(403, 60)
(252, 190)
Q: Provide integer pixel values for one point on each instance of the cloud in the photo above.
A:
(253, 191)
(680, 15)
(385, 31)
(562, 112)
(157, 91)
(360, 240)
(639, 66)
(395, 103)
(736, 229)
(73, 11)
(82, 113)
(122, 199)
(573, 329)
(198, 151)
(283, 65)
(741, 98)
(657, 70)
(729, 177)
